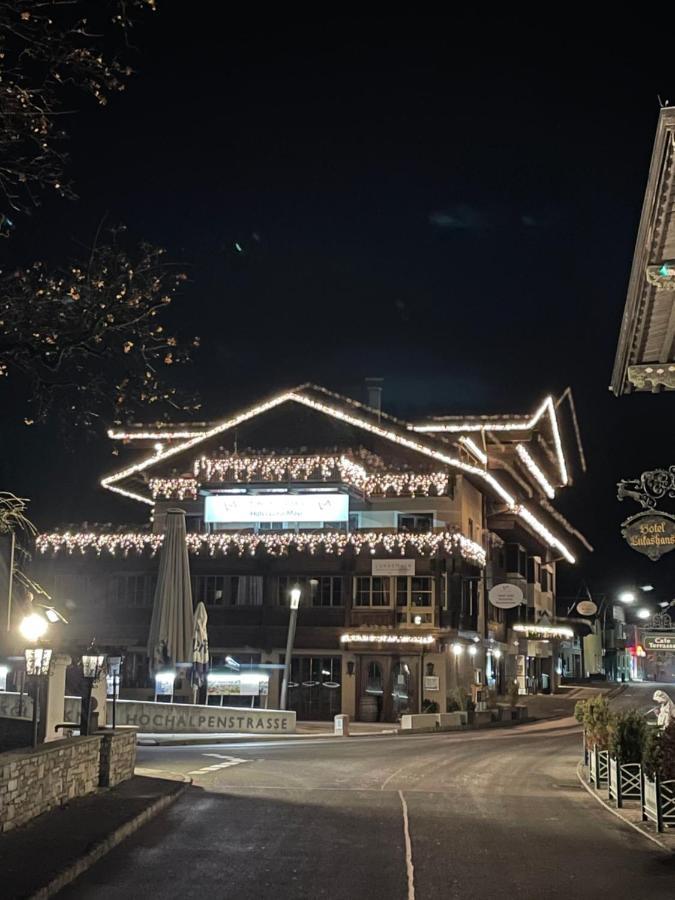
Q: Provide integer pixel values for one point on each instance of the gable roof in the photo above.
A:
(357, 415)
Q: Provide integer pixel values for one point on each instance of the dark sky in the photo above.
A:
(424, 200)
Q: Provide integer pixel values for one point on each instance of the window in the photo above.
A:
(533, 568)
(418, 522)
(470, 529)
(546, 580)
(319, 590)
(372, 591)
(209, 589)
(228, 590)
(131, 590)
(516, 560)
(414, 600)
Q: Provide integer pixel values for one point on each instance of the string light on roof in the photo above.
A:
(388, 434)
(535, 471)
(473, 447)
(173, 488)
(275, 544)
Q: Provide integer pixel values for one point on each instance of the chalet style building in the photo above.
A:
(396, 533)
(645, 355)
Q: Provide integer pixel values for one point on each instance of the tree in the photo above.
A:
(87, 337)
(628, 734)
(50, 50)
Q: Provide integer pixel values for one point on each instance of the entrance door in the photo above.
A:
(402, 689)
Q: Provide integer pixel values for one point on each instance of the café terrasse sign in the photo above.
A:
(651, 531)
(186, 718)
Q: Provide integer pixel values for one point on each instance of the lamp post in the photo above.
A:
(294, 594)
(38, 660)
(114, 666)
(93, 664)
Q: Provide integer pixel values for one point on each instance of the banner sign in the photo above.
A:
(244, 508)
(244, 684)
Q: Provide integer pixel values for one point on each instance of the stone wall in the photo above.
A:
(118, 756)
(182, 718)
(34, 781)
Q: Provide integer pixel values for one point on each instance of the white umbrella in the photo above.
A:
(171, 626)
(200, 646)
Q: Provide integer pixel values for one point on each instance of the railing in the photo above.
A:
(658, 801)
(599, 766)
(623, 781)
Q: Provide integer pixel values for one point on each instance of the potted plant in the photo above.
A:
(430, 706)
(626, 745)
(597, 724)
(658, 782)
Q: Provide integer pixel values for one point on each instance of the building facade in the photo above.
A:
(396, 533)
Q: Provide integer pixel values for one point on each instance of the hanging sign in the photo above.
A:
(586, 608)
(664, 642)
(651, 533)
(505, 596)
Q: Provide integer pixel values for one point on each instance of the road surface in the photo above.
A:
(479, 815)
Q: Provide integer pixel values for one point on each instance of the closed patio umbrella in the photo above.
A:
(171, 626)
(200, 647)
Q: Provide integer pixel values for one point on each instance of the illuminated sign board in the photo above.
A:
(224, 508)
(244, 684)
(650, 533)
(664, 642)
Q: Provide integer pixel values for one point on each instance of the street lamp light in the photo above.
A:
(33, 627)
(38, 660)
(627, 597)
(643, 613)
(295, 593)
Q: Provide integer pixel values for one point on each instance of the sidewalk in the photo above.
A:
(44, 855)
(630, 813)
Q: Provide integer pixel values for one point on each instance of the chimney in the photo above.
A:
(374, 388)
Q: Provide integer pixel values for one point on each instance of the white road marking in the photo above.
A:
(410, 869)
(228, 761)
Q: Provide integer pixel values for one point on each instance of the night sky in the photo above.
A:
(417, 200)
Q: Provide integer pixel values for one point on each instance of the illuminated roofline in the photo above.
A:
(152, 435)
(512, 425)
(110, 481)
(535, 471)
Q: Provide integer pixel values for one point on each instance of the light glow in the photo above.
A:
(627, 597)
(33, 627)
(549, 631)
(535, 471)
(458, 649)
(358, 638)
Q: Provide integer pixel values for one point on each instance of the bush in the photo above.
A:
(597, 722)
(627, 738)
(580, 711)
(668, 752)
(652, 752)
(430, 706)
(513, 693)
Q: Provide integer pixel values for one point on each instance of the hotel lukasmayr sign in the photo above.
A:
(651, 531)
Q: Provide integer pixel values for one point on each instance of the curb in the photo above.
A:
(253, 739)
(615, 812)
(71, 872)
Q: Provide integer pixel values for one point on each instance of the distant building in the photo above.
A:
(394, 531)
(645, 355)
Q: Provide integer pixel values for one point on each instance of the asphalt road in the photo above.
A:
(478, 815)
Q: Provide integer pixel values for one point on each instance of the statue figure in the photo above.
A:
(666, 711)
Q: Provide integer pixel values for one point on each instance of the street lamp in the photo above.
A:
(114, 668)
(627, 597)
(294, 594)
(93, 664)
(38, 660)
(643, 613)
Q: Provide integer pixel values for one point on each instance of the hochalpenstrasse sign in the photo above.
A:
(651, 531)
